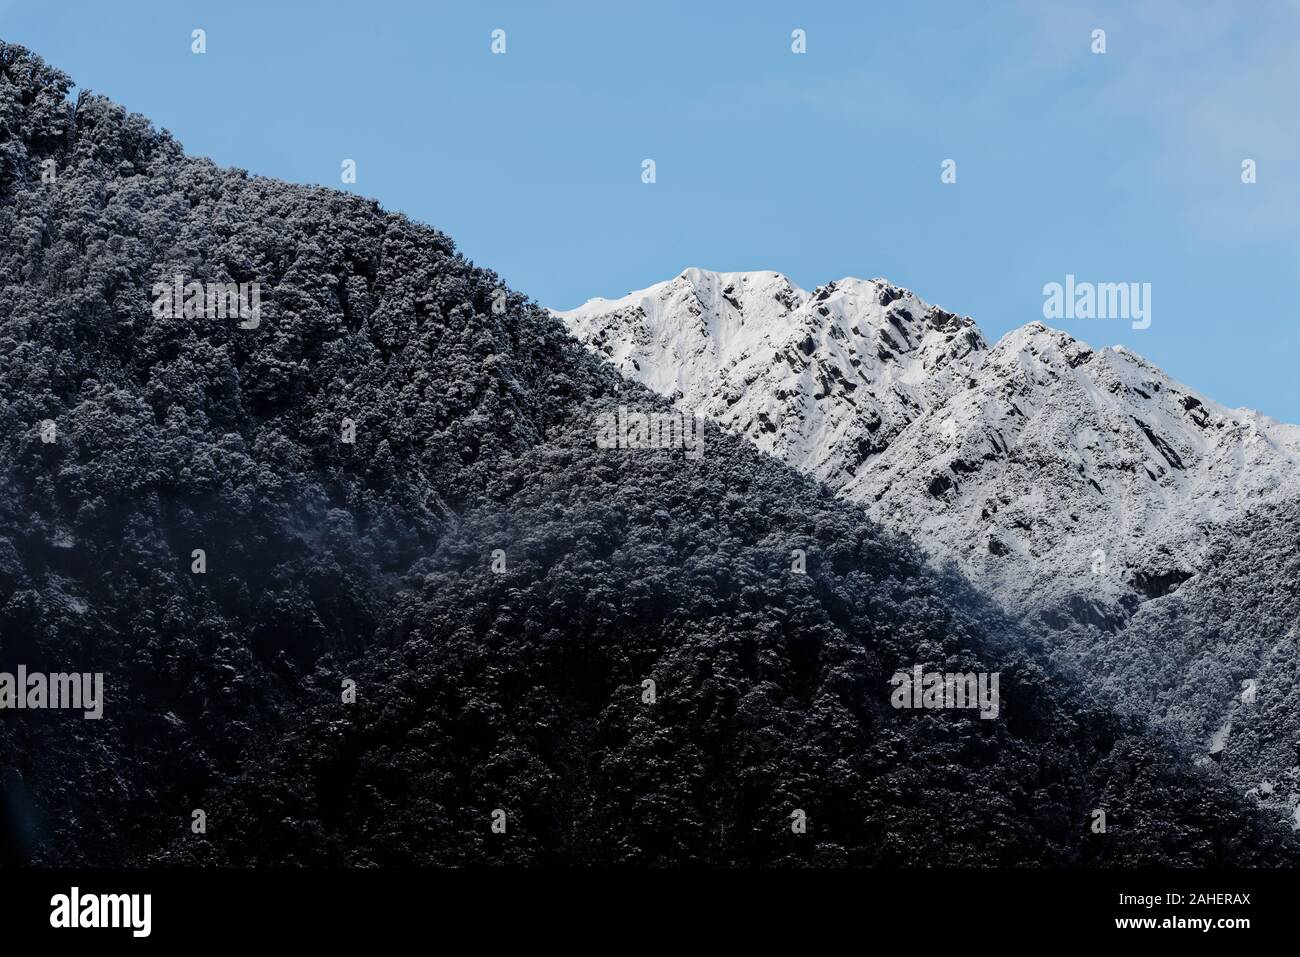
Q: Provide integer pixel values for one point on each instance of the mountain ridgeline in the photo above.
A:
(364, 590)
(1072, 483)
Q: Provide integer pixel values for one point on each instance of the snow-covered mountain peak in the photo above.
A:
(1029, 463)
(1057, 458)
(824, 379)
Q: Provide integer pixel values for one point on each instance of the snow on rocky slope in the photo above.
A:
(1072, 483)
(825, 380)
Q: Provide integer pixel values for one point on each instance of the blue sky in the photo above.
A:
(1122, 167)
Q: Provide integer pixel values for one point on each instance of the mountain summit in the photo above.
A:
(825, 380)
(1074, 483)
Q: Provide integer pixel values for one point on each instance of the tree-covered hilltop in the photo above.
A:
(518, 688)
